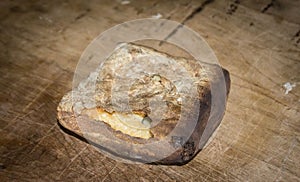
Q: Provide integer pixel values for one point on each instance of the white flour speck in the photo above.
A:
(157, 16)
(288, 87)
(125, 2)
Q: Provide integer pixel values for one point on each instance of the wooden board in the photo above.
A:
(257, 41)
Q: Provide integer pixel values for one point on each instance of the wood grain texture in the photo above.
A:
(257, 41)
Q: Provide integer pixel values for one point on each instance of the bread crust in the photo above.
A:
(72, 117)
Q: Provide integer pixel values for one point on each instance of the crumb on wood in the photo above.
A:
(288, 87)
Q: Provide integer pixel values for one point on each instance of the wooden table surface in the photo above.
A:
(258, 41)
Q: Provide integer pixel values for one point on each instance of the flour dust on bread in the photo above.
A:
(137, 97)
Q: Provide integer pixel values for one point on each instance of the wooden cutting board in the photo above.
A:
(257, 41)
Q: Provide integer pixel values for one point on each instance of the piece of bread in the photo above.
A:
(146, 106)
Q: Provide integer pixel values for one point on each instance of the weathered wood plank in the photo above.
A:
(258, 140)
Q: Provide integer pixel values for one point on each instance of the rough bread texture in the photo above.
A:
(105, 89)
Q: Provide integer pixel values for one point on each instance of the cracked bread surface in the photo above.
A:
(144, 91)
